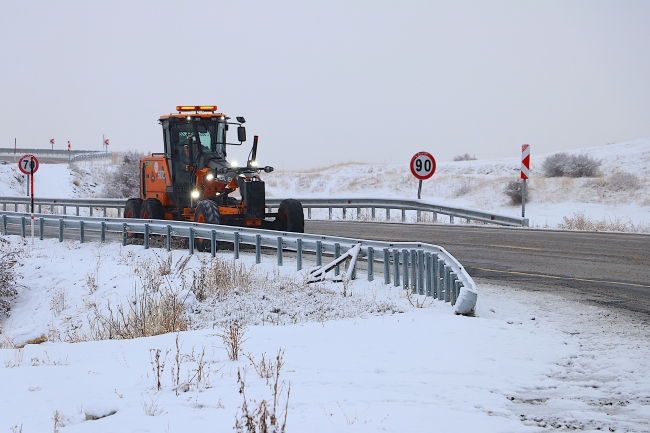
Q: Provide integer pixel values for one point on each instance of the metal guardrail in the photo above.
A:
(373, 204)
(94, 155)
(58, 152)
(423, 269)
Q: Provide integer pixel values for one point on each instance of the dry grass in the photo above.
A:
(580, 221)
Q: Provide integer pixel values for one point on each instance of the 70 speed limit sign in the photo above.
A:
(423, 165)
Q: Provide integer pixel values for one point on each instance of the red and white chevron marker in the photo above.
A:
(525, 161)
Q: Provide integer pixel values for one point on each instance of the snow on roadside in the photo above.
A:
(529, 361)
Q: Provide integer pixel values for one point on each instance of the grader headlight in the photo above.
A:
(195, 194)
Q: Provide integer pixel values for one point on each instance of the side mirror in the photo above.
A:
(241, 133)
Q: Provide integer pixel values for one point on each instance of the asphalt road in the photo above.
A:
(611, 269)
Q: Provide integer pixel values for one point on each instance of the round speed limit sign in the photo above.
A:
(28, 164)
(423, 165)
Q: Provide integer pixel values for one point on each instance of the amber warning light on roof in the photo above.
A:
(196, 108)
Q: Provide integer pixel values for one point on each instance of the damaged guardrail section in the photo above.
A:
(423, 269)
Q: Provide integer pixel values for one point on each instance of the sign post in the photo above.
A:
(28, 164)
(69, 150)
(423, 165)
(525, 174)
(52, 143)
(106, 144)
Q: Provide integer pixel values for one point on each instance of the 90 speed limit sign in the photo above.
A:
(423, 165)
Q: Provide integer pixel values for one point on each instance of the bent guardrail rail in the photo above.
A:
(423, 269)
(419, 206)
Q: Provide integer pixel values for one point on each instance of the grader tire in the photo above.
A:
(207, 212)
(152, 209)
(290, 217)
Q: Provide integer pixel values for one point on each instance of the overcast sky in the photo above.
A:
(324, 82)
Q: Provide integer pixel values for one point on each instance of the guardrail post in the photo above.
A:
(60, 229)
(371, 263)
(451, 219)
(146, 236)
(387, 214)
(405, 269)
(373, 213)
(344, 209)
(419, 216)
(427, 264)
(358, 214)
(40, 208)
(279, 250)
(104, 208)
(258, 249)
(330, 211)
(414, 268)
(22, 226)
(440, 279)
(81, 232)
(4, 224)
(421, 272)
(91, 210)
(353, 276)
(319, 253)
(235, 244)
(452, 294)
(396, 267)
(298, 254)
(403, 215)
(386, 266)
(169, 237)
(65, 210)
(447, 283)
(4, 206)
(433, 272)
(77, 210)
(467, 221)
(337, 254)
(434, 216)
(308, 213)
(213, 243)
(41, 224)
(191, 245)
(102, 233)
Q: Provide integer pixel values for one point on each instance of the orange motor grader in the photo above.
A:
(193, 181)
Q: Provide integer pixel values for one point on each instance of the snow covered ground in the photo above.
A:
(361, 357)
(369, 361)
